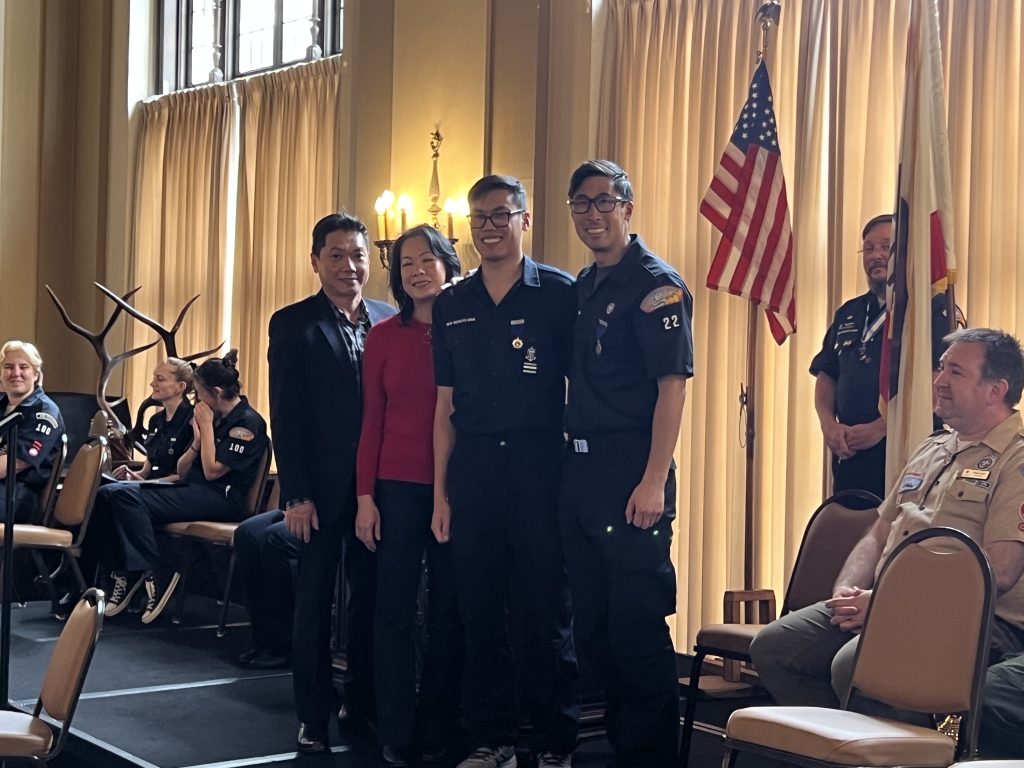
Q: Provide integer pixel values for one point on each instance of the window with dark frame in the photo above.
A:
(208, 41)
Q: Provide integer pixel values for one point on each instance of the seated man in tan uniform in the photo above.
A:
(971, 478)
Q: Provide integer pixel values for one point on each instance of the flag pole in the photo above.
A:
(767, 15)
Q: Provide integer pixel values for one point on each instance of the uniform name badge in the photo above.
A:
(975, 474)
(602, 329)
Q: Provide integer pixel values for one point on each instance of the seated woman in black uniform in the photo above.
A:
(228, 440)
(169, 430)
(21, 382)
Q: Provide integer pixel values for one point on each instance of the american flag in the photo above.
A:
(747, 203)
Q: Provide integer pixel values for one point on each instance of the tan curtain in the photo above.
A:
(675, 73)
(288, 179)
(180, 220)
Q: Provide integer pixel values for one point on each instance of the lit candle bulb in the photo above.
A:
(450, 207)
(404, 206)
(387, 199)
(382, 223)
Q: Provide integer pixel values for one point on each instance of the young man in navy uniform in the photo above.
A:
(847, 370)
(502, 340)
(315, 355)
(632, 355)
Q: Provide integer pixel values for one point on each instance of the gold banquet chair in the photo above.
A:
(63, 530)
(48, 496)
(219, 534)
(30, 738)
(989, 764)
(910, 656)
(833, 530)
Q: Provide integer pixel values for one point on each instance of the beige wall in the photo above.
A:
(508, 82)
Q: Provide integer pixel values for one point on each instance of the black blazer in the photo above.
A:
(316, 409)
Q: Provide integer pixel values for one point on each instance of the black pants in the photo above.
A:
(405, 512)
(125, 517)
(503, 493)
(267, 558)
(25, 501)
(312, 671)
(623, 586)
(864, 471)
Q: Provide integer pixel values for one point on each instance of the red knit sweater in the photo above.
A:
(398, 406)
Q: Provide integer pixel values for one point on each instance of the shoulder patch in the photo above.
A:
(241, 433)
(661, 297)
(43, 416)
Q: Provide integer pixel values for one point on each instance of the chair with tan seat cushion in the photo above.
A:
(989, 764)
(29, 737)
(910, 657)
(833, 530)
(64, 528)
(209, 533)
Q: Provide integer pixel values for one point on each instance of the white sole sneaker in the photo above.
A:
(153, 614)
(110, 609)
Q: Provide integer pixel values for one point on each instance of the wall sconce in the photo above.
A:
(393, 215)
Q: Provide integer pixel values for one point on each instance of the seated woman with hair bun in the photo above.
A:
(217, 469)
(169, 430)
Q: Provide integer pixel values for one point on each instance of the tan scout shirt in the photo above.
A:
(977, 487)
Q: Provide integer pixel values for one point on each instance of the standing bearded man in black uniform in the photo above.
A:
(315, 355)
(502, 339)
(847, 370)
(632, 355)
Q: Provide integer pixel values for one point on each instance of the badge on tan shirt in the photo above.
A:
(975, 474)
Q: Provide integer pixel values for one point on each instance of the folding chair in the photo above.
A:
(30, 738)
(832, 532)
(218, 534)
(910, 657)
(63, 530)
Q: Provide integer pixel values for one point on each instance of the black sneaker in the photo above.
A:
(120, 593)
(395, 756)
(158, 594)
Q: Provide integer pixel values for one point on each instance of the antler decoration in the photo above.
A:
(167, 335)
(120, 443)
(99, 344)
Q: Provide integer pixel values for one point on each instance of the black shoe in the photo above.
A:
(396, 756)
(356, 728)
(158, 594)
(245, 659)
(312, 739)
(268, 660)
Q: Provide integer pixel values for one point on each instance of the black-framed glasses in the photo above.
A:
(603, 203)
(499, 218)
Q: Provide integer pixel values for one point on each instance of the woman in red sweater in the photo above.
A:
(394, 485)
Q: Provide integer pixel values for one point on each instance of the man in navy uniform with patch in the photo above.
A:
(632, 355)
(502, 338)
(39, 432)
(847, 371)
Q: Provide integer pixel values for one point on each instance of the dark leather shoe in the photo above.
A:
(267, 660)
(312, 739)
(245, 659)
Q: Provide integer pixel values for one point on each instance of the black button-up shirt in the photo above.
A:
(39, 436)
(507, 362)
(632, 327)
(167, 440)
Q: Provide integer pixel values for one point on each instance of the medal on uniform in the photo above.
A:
(517, 343)
(602, 328)
(869, 331)
(610, 308)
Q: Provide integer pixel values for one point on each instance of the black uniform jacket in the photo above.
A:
(316, 408)
(167, 440)
(38, 437)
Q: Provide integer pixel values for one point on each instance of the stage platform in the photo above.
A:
(170, 696)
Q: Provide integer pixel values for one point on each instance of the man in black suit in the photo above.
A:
(316, 349)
